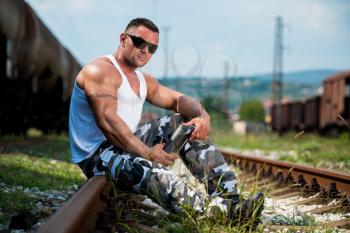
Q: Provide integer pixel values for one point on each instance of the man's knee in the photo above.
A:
(133, 173)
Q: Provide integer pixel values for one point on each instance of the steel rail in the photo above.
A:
(311, 179)
(80, 213)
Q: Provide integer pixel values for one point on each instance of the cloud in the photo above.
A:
(242, 29)
(314, 15)
(80, 4)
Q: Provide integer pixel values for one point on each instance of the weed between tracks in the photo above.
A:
(129, 220)
(295, 220)
(133, 219)
(298, 222)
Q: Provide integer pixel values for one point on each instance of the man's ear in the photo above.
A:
(123, 38)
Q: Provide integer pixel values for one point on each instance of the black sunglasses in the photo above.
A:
(140, 43)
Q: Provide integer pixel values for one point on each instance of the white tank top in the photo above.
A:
(85, 136)
(129, 105)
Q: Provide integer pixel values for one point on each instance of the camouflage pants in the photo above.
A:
(140, 175)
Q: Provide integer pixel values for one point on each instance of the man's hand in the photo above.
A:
(202, 129)
(157, 154)
(192, 109)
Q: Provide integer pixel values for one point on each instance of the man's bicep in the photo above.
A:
(101, 93)
(165, 98)
(98, 87)
(161, 96)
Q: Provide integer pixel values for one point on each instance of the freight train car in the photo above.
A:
(335, 106)
(36, 72)
(329, 113)
(311, 113)
(296, 115)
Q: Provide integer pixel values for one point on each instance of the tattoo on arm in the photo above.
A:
(102, 96)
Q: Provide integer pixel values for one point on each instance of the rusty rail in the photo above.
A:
(312, 179)
(80, 213)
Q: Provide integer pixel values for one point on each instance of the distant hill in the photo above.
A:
(297, 85)
(314, 77)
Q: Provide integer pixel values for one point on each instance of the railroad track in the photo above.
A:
(296, 185)
(314, 191)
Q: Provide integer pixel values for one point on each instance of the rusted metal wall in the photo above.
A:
(296, 115)
(276, 117)
(34, 51)
(281, 119)
(312, 113)
(347, 109)
(285, 116)
(333, 103)
(317, 113)
(39, 72)
(3, 46)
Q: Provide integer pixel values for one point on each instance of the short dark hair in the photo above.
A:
(142, 22)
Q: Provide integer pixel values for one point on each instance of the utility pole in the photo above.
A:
(154, 11)
(226, 87)
(277, 75)
(166, 49)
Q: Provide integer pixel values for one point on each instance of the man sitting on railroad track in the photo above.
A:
(105, 111)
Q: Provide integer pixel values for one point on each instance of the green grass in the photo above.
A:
(51, 146)
(188, 222)
(311, 149)
(42, 162)
(13, 203)
(38, 162)
(43, 173)
(295, 220)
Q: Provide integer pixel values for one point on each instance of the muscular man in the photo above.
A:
(105, 110)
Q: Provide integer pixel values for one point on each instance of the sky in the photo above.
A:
(209, 38)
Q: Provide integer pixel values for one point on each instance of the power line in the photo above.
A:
(277, 75)
(226, 86)
(166, 49)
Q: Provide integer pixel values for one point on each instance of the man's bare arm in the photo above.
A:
(173, 100)
(160, 95)
(190, 107)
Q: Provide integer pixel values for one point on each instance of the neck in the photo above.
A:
(123, 63)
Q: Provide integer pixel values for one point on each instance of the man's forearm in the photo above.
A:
(130, 143)
(121, 136)
(190, 107)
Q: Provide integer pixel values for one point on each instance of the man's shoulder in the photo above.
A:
(100, 69)
(98, 66)
(149, 78)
